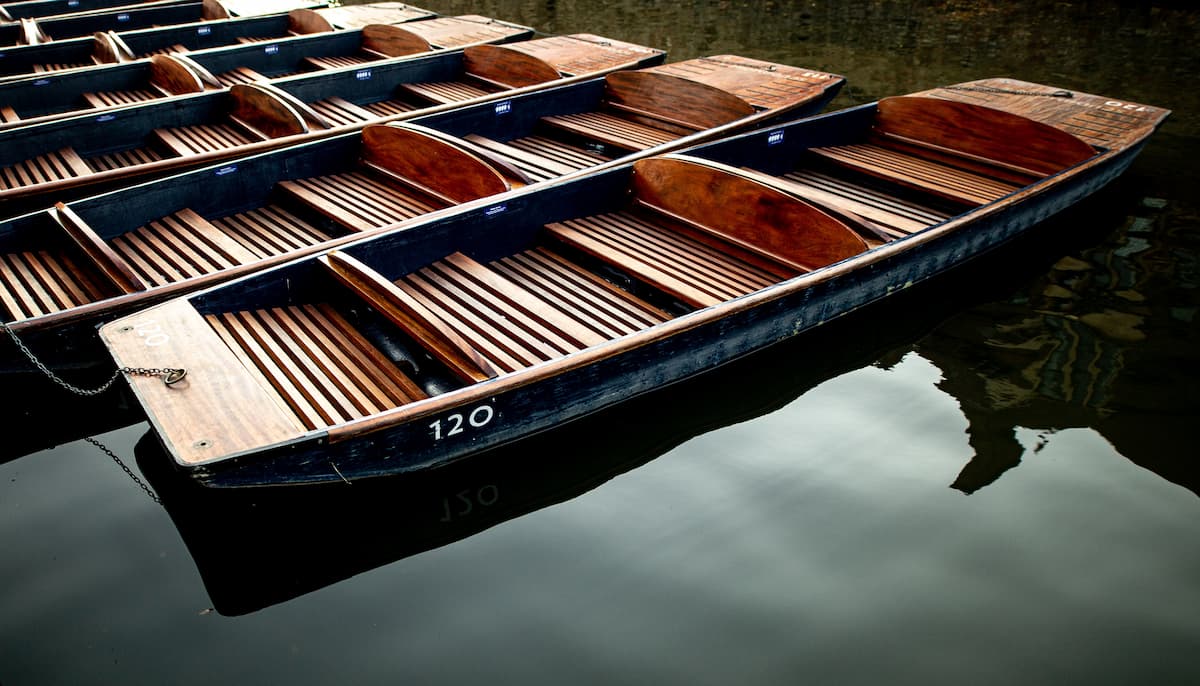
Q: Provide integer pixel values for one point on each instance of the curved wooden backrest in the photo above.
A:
(173, 76)
(432, 160)
(214, 9)
(265, 111)
(205, 76)
(984, 132)
(108, 48)
(503, 65)
(392, 40)
(308, 21)
(676, 98)
(744, 212)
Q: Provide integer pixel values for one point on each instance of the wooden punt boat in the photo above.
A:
(111, 47)
(56, 96)
(32, 31)
(63, 159)
(410, 349)
(68, 268)
(33, 9)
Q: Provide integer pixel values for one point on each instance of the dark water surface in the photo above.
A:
(992, 480)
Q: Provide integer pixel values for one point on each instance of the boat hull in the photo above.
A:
(688, 347)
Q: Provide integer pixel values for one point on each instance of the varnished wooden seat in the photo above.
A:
(179, 246)
(340, 111)
(53, 166)
(917, 172)
(705, 248)
(270, 230)
(43, 282)
(124, 158)
(100, 99)
(318, 364)
(389, 107)
(539, 157)
(202, 138)
(442, 92)
(895, 215)
(482, 323)
(695, 271)
(360, 200)
(612, 129)
(964, 153)
(240, 75)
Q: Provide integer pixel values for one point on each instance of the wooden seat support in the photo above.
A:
(111, 265)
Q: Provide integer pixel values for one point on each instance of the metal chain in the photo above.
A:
(171, 375)
(1009, 91)
(121, 463)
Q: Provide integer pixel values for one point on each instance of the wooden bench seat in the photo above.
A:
(240, 75)
(611, 128)
(61, 164)
(481, 323)
(8, 114)
(896, 216)
(124, 158)
(202, 138)
(180, 246)
(321, 367)
(339, 111)
(692, 270)
(59, 66)
(442, 92)
(390, 107)
(101, 99)
(539, 157)
(912, 171)
(360, 200)
(270, 230)
(39, 283)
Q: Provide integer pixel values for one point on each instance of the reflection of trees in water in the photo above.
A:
(1083, 346)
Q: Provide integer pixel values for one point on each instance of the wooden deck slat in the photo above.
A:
(357, 200)
(388, 108)
(446, 91)
(538, 157)
(123, 158)
(918, 173)
(179, 246)
(102, 99)
(202, 138)
(342, 111)
(58, 165)
(684, 267)
(270, 230)
(239, 75)
(900, 217)
(591, 301)
(611, 129)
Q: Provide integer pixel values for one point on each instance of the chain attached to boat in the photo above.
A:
(1010, 91)
(170, 375)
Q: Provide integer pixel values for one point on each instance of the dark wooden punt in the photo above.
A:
(64, 159)
(409, 349)
(56, 96)
(68, 268)
(111, 47)
(33, 9)
(32, 31)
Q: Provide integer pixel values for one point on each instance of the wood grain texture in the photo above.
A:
(744, 212)
(431, 160)
(393, 41)
(675, 99)
(503, 65)
(173, 76)
(263, 110)
(106, 260)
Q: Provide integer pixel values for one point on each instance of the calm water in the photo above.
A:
(991, 481)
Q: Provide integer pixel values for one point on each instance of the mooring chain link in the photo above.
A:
(129, 472)
(170, 375)
(1010, 91)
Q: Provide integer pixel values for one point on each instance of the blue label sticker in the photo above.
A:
(226, 170)
(203, 30)
(122, 17)
(72, 3)
(504, 107)
(42, 82)
(105, 117)
(363, 74)
(271, 49)
(495, 210)
(775, 137)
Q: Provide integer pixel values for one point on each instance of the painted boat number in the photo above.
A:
(271, 49)
(467, 501)
(152, 333)
(1125, 106)
(203, 30)
(456, 423)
